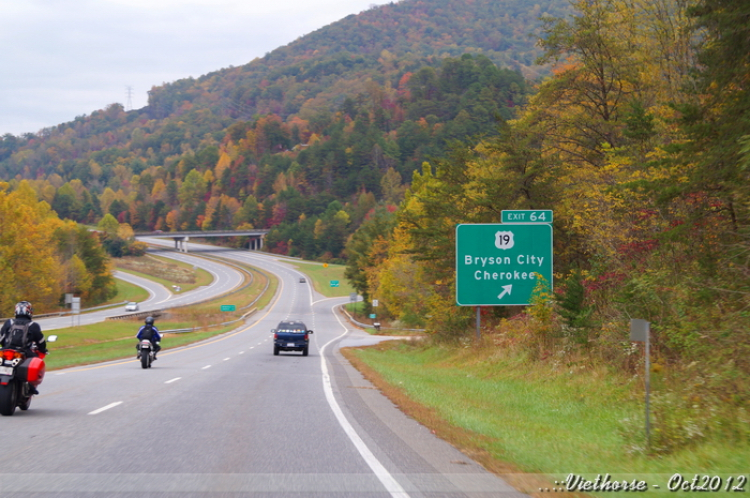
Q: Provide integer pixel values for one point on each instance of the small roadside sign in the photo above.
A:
(334, 283)
(228, 307)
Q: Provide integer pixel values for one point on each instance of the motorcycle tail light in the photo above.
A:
(9, 354)
(306, 338)
(276, 336)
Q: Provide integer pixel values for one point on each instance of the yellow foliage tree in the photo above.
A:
(29, 267)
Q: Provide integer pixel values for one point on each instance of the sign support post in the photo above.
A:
(640, 330)
(479, 323)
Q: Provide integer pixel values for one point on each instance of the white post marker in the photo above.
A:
(640, 330)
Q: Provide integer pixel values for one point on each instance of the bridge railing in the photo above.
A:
(203, 233)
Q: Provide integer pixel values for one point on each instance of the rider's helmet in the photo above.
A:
(23, 309)
(149, 320)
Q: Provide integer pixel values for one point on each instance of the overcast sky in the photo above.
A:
(66, 58)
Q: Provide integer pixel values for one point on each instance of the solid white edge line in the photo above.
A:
(111, 405)
(388, 481)
(206, 367)
(173, 380)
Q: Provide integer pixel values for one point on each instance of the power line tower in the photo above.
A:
(129, 104)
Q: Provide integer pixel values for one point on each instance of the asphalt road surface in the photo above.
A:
(227, 418)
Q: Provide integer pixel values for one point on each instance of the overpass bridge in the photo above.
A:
(181, 238)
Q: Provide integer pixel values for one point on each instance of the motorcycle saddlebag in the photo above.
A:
(32, 371)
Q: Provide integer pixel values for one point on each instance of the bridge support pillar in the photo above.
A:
(256, 243)
(180, 244)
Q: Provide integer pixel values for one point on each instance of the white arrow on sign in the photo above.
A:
(506, 290)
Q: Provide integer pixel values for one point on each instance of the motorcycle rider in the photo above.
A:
(150, 332)
(34, 338)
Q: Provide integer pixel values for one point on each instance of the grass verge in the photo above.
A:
(530, 423)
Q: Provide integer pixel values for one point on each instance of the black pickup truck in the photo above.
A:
(291, 336)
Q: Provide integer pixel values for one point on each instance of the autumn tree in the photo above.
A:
(29, 265)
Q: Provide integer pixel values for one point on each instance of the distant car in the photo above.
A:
(291, 336)
(302, 280)
(131, 306)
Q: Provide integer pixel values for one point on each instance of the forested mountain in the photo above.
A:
(381, 44)
(305, 141)
(301, 140)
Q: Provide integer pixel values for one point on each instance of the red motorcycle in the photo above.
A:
(18, 372)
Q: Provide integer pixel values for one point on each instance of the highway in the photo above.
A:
(224, 280)
(225, 417)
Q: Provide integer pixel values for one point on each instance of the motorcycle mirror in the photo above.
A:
(309, 331)
(273, 331)
(52, 338)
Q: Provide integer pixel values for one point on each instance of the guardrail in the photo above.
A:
(137, 314)
(193, 329)
(371, 326)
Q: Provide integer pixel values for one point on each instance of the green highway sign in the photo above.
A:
(334, 283)
(498, 264)
(527, 216)
(227, 307)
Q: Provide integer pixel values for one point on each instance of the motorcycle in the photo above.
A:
(145, 353)
(18, 373)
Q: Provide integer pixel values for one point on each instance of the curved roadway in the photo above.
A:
(227, 418)
(224, 279)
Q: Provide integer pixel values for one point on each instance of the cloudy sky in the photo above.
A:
(66, 58)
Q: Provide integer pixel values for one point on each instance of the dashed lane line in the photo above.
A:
(104, 408)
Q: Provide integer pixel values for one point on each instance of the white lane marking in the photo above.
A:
(206, 367)
(226, 359)
(111, 405)
(173, 380)
(391, 484)
(242, 352)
